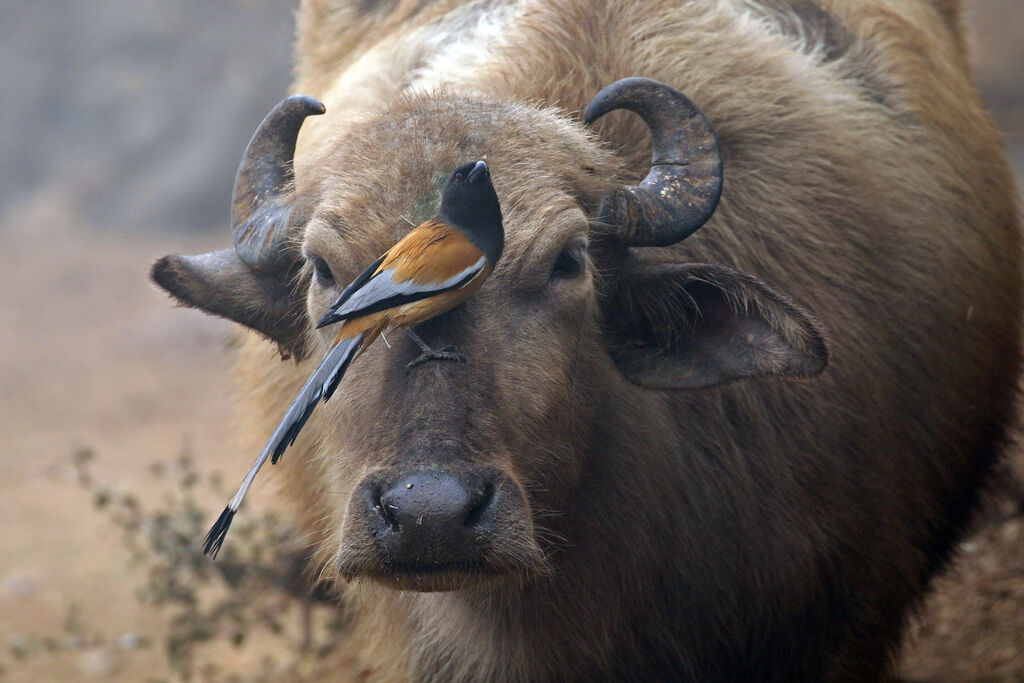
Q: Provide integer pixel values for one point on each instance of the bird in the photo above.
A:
(434, 268)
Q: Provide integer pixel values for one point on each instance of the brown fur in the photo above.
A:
(759, 530)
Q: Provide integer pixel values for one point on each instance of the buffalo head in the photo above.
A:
(455, 473)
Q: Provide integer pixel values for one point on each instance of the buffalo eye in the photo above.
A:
(322, 270)
(570, 262)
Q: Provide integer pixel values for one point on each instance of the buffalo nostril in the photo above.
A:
(383, 510)
(434, 518)
(485, 497)
(434, 504)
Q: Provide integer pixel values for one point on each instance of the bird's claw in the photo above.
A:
(429, 353)
(443, 353)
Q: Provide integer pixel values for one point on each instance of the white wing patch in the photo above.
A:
(383, 286)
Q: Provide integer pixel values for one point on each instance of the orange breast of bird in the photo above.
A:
(429, 255)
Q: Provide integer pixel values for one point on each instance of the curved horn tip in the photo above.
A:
(259, 222)
(684, 183)
(625, 92)
(645, 96)
(311, 105)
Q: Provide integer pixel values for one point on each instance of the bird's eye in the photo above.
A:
(322, 270)
(570, 262)
(460, 176)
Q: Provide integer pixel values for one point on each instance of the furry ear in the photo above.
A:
(221, 284)
(682, 326)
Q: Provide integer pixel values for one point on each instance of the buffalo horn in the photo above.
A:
(684, 183)
(259, 220)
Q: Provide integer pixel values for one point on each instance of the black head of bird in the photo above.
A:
(470, 205)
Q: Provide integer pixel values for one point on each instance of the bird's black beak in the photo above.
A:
(479, 170)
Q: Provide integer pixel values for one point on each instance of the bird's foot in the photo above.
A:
(429, 353)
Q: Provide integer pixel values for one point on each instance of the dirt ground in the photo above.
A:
(95, 356)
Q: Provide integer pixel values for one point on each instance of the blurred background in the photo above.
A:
(122, 122)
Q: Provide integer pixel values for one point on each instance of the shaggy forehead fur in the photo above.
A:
(383, 175)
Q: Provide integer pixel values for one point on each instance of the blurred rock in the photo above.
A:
(20, 584)
(18, 645)
(100, 661)
(130, 641)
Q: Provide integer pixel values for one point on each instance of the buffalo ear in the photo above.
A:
(680, 326)
(221, 284)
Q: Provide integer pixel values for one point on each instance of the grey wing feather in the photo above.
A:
(382, 291)
(320, 385)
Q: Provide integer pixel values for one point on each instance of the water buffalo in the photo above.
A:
(640, 471)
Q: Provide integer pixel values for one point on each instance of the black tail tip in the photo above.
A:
(218, 531)
(327, 319)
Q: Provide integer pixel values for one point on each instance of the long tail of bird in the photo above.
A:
(320, 385)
